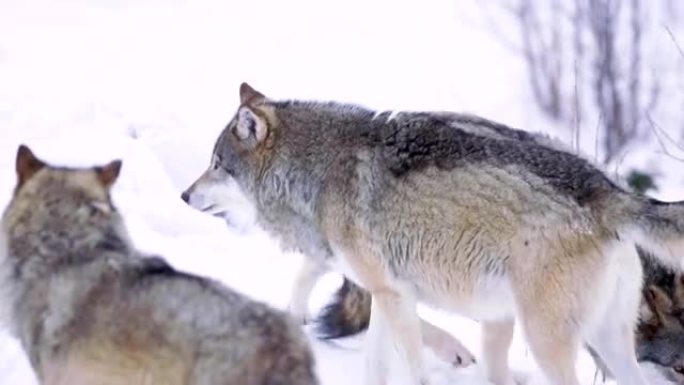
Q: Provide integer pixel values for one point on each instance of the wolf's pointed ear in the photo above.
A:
(249, 95)
(658, 301)
(108, 173)
(250, 125)
(27, 164)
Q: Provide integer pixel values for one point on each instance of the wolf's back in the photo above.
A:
(260, 343)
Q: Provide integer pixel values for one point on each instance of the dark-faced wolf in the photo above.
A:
(454, 211)
(660, 332)
(90, 309)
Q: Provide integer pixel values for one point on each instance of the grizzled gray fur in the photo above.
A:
(90, 309)
(454, 212)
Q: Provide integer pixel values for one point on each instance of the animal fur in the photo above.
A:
(90, 309)
(451, 211)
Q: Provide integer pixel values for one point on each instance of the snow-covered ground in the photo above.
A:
(154, 81)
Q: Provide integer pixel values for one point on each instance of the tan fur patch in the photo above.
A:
(104, 364)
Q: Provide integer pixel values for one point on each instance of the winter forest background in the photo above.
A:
(154, 81)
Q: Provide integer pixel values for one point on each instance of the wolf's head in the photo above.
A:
(56, 209)
(660, 336)
(240, 151)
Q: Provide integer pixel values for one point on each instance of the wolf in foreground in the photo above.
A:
(90, 309)
(450, 211)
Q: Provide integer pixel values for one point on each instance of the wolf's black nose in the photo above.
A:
(185, 197)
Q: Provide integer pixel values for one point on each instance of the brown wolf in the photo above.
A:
(90, 309)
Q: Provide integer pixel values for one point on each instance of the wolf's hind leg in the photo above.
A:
(612, 337)
(549, 309)
(377, 349)
(614, 343)
(554, 347)
(496, 341)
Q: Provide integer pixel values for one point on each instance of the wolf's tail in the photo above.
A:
(660, 229)
(347, 314)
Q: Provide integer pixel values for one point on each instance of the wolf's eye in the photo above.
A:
(679, 369)
(227, 170)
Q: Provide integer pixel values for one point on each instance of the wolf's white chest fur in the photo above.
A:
(489, 298)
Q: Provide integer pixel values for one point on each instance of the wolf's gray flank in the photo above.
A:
(431, 208)
(660, 329)
(88, 308)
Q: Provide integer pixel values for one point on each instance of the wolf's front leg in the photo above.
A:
(394, 321)
(377, 348)
(307, 277)
(496, 341)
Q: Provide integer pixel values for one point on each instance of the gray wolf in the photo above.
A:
(90, 309)
(450, 211)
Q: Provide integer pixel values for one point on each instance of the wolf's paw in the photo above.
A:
(453, 352)
(511, 377)
(519, 378)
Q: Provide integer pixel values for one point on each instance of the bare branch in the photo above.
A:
(656, 129)
(598, 137)
(577, 113)
(674, 40)
(606, 75)
(635, 65)
(503, 37)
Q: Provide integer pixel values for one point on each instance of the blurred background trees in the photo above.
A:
(598, 60)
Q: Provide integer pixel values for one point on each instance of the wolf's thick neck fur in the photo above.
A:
(59, 241)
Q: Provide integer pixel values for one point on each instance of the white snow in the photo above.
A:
(153, 82)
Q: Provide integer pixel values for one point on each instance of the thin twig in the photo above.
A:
(598, 137)
(674, 40)
(620, 161)
(504, 38)
(662, 131)
(576, 134)
(655, 129)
